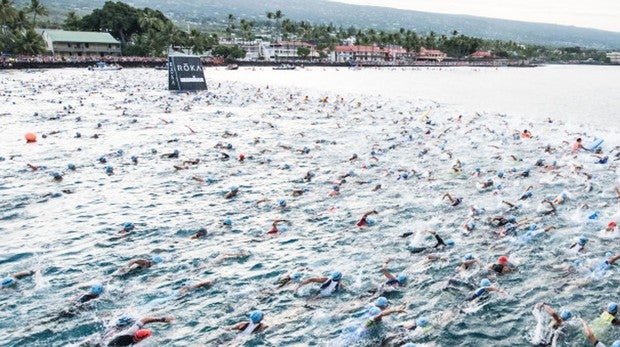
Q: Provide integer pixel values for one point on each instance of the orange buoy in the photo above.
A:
(30, 137)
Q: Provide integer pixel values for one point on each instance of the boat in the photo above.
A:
(232, 67)
(103, 66)
(284, 67)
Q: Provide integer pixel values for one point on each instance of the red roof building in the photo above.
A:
(481, 55)
(431, 54)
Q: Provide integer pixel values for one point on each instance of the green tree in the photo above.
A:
(230, 27)
(72, 22)
(303, 52)
(7, 13)
(36, 8)
(246, 29)
(29, 43)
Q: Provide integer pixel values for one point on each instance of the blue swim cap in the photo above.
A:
(233, 188)
(422, 322)
(109, 169)
(485, 283)
(404, 175)
(511, 219)
(8, 281)
(616, 343)
(489, 180)
(227, 221)
(477, 169)
(210, 180)
(401, 278)
(157, 259)
(565, 315)
(71, 166)
(449, 243)
(256, 316)
(296, 276)
(471, 224)
(124, 320)
(500, 174)
(336, 187)
(469, 257)
(120, 152)
(134, 158)
(286, 166)
(176, 151)
(612, 308)
(282, 202)
(533, 227)
(153, 151)
(282, 228)
(583, 240)
(381, 301)
(229, 146)
(336, 275)
(351, 173)
(102, 159)
(577, 263)
(128, 226)
(374, 311)
(370, 221)
(96, 289)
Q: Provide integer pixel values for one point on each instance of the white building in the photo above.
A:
(614, 57)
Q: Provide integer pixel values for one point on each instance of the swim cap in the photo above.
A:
(370, 221)
(227, 221)
(296, 276)
(469, 257)
(282, 202)
(578, 262)
(533, 227)
(565, 315)
(381, 301)
(233, 188)
(351, 173)
(71, 166)
(8, 281)
(142, 334)
(256, 316)
(612, 224)
(401, 278)
(96, 289)
(564, 196)
(374, 311)
(511, 219)
(503, 259)
(404, 175)
(616, 343)
(102, 159)
(500, 174)
(485, 283)
(229, 146)
(282, 228)
(477, 169)
(471, 224)
(157, 259)
(612, 308)
(128, 226)
(134, 158)
(422, 322)
(336, 275)
(449, 243)
(124, 320)
(336, 187)
(176, 151)
(153, 151)
(583, 240)
(109, 169)
(120, 152)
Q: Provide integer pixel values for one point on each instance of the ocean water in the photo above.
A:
(394, 120)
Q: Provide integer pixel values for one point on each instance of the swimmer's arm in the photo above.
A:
(385, 271)
(147, 320)
(262, 327)
(552, 313)
(196, 286)
(237, 326)
(511, 205)
(470, 262)
(588, 331)
(19, 275)
(551, 227)
(611, 260)
(139, 262)
(388, 312)
(312, 280)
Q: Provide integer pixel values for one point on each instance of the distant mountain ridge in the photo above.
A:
(378, 18)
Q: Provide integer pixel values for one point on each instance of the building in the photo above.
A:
(614, 57)
(342, 54)
(286, 50)
(80, 43)
(431, 54)
(481, 55)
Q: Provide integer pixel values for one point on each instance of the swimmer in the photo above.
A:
(394, 281)
(453, 202)
(297, 192)
(274, 226)
(486, 184)
(457, 166)
(527, 194)
(377, 318)
(439, 245)
(580, 244)
(11, 280)
(560, 199)
(577, 145)
(232, 193)
(127, 227)
(364, 221)
(501, 267)
(526, 134)
(552, 209)
(555, 326)
(485, 287)
(502, 220)
(611, 227)
(136, 333)
(422, 323)
(335, 190)
(467, 263)
(174, 154)
(294, 276)
(139, 264)
(79, 303)
(329, 285)
(198, 285)
(202, 232)
(469, 225)
(255, 324)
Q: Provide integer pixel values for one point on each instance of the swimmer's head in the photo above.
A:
(485, 282)
(141, 335)
(370, 221)
(401, 279)
(282, 203)
(128, 226)
(577, 263)
(511, 219)
(469, 257)
(612, 224)
(566, 314)
(296, 276)
(582, 240)
(477, 169)
(175, 152)
(124, 321)
(422, 322)
(374, 311)
(503, 260)
(96, 289)
(233, 188)
(500, 174)
(71, 167)
(120, 152)
(612, 308)
(381, 302)
(7, 282)
(109, 169)
(227, 222)
(450, 243)
(102, 159)
(256, 316)
(404, 175)
(533, 227)
(336, 275)
(157, 259)
(336, 187)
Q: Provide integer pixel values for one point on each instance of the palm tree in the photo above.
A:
(231, 25)
(29, 43)
(246, 28)
(37, 9)
(72, 22)
(148, 19)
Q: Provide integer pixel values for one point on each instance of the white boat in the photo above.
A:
(103, 66)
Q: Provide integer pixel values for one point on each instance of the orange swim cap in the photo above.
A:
(30, 137)
(503, 259)
(142, 334)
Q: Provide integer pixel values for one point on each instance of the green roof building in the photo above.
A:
(80, 43)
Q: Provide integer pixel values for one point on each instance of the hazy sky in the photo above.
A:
(599, 14)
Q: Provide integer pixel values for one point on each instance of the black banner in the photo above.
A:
(185, 73)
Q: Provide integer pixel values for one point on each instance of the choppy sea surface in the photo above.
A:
(307, 130)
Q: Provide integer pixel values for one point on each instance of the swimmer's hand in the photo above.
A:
(168, 319)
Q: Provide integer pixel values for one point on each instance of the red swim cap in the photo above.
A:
(612, 224)
(241, 156)
(142, 334)
(503, 259)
